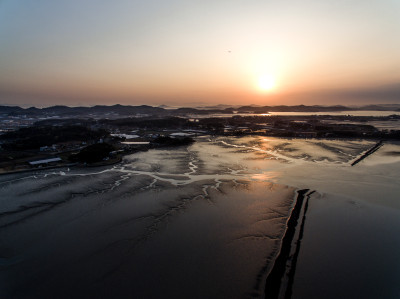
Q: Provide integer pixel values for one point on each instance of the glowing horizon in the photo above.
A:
(128, 52)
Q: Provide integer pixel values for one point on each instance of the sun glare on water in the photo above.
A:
(266, 83)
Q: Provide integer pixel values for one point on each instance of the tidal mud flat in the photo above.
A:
(204, 221)
(205, 238)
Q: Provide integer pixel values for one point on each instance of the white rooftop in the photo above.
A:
(45, 161)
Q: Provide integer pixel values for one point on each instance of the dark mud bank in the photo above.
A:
(280, 279)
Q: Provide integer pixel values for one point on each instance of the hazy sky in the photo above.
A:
(184, 52)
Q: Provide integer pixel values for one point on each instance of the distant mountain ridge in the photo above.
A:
(127, 110)
(98, 109)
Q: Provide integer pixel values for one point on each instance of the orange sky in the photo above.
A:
(187, 53)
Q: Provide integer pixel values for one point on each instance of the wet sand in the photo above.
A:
(204, 221)
(350, 244)
(159, 225)
(350, 249)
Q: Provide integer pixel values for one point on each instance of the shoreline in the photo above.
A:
(76, 165)
(105, 163)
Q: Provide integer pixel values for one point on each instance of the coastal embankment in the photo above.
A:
(281, 275)
(368, 152)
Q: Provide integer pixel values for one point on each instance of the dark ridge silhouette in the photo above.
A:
(127, 110)
(147, 122)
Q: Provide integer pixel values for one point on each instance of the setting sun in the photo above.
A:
(266, 83)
